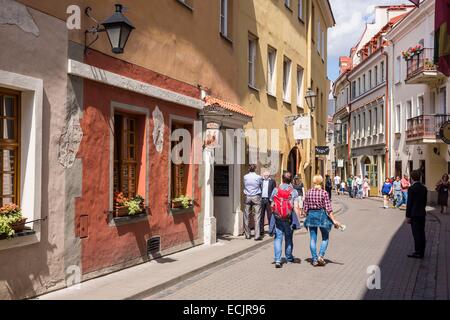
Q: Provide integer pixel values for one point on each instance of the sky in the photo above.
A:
(351, 17)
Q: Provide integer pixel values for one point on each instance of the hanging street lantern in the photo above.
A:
(117, 27)
(311, 99)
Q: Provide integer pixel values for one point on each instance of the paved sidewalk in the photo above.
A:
(151, 277)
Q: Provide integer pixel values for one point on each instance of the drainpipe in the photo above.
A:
(386, 105)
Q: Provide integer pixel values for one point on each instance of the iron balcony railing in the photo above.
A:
(425, 126)
(420, 62)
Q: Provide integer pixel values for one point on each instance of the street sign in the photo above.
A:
(444, 132)
(302, 128)
(322, 151)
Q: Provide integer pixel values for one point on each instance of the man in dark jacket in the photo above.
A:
(268, 185)
(416, 213)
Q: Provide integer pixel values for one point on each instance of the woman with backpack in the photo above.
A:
(319, 215)
(386, 191)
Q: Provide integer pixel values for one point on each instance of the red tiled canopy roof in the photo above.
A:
(228, 106)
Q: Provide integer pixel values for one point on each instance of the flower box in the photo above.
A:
(19, 226)
(121, 211)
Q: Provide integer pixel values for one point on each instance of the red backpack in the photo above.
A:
(282, 205)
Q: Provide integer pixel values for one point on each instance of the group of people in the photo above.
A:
(283, 205)
(396, 190)
(356, 186)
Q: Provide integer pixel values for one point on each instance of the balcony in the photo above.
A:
(420, 69)
(425, 129)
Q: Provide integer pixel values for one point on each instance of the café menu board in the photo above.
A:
(222, 181)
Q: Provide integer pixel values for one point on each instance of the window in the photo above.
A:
(370, 79)
(181, 170)
(271, 71)
(252, 61)
(319, 33)
(370, 123)
(353, 89)
(442, 100)
(398, 119)
(186, 3)
(225, 23)
(376, 75)
(323, 45)
(287, 80)
(382, 71)
(364, 83)
(125, 155)
(359, 86)
(9, 147)
(300, 86)
(398, 69)
(410, 166)
(364, 127)
(409, 110)
(359, 126)
(354, 128)
(420, 106)
(344, 133)
(375, 113)
(398, 169)
(300, 10)
(287, 3)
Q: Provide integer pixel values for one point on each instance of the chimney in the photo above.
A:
(345, 64)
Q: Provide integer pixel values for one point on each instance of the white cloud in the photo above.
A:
(351, 17)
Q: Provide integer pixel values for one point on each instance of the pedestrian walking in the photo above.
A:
(317, 207)
(337, 183)
(355, 187)
(416, 214)
(359, 187)
(343, 187)
(405, 186)
(268, 185)
(350, 186)
(252, 191)
(300, 187)
(328, 185)
(284, 220)
(366, 187)
(386, 191)
(442, 189)
(397, 189)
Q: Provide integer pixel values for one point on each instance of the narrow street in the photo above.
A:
(374, 237)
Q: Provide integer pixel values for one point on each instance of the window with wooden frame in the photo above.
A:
(9, 146)
(125, 155)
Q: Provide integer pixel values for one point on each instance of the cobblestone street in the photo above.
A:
(374, 237)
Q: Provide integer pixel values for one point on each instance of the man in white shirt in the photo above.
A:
(337, 183)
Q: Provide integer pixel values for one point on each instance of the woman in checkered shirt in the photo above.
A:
(317, 207)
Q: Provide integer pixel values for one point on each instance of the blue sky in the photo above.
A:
(351, 16)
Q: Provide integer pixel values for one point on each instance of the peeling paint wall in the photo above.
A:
(37, 46)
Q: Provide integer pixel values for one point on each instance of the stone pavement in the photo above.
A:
(154, 276)
(374, 237)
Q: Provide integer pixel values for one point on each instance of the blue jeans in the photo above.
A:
(404, 199)
(398, 198)
(313, 242)
(283, 229)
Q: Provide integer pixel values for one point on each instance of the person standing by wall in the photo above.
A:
(350, 186)
(442, 189)
(319, 215)
(268, 185)
(252, 191)
(366, 187)
(416, 214)
(359, 187)
(284, 219)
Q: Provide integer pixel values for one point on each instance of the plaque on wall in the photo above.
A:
(221, 181)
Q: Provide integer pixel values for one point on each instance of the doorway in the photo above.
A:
(293, 161)
(223, 198)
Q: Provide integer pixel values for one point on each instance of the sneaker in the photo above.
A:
(278, 265)
(315, 263)
(321, 262)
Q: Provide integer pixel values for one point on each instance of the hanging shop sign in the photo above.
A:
(340, 163)
(322, 151)
(302, 128)
(444, 132)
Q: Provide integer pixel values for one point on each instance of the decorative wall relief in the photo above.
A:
(15, 13)
(158, 129)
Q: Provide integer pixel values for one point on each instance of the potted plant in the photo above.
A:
(184, 202)
(11, 220)
(124, 206)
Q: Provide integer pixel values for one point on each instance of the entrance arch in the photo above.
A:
(294, 159)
